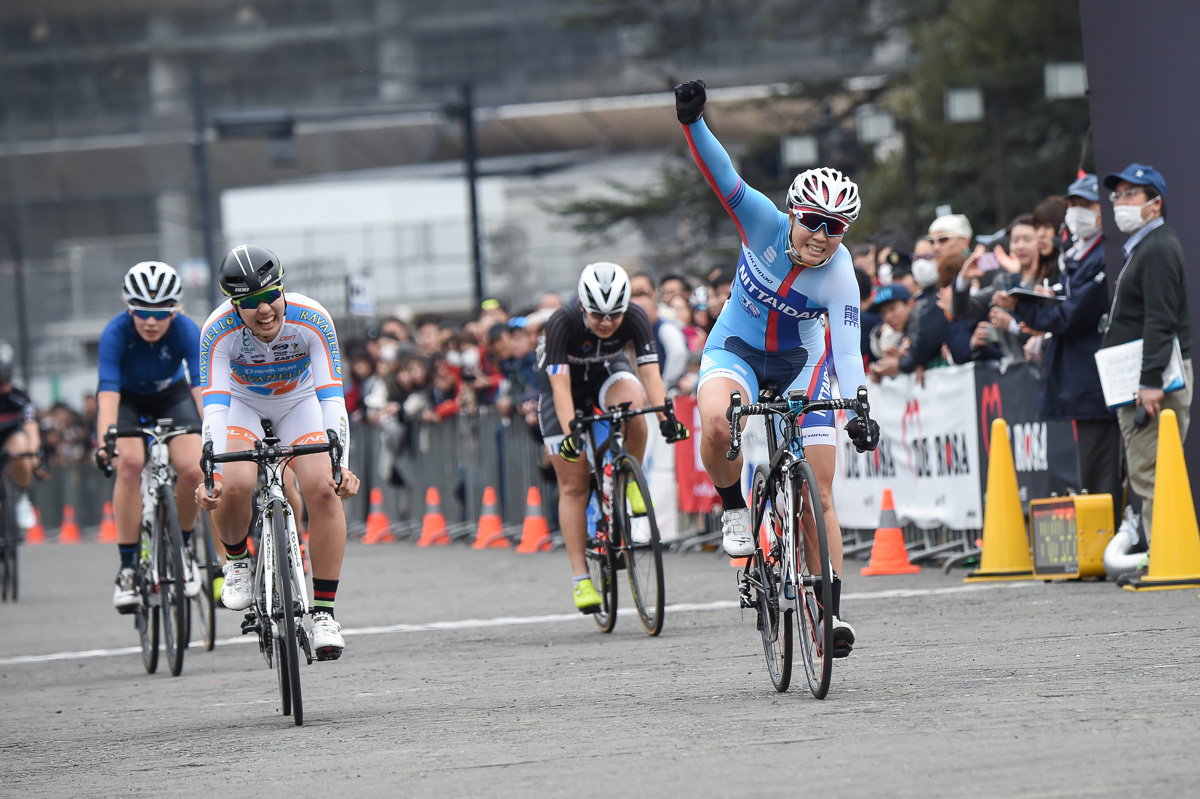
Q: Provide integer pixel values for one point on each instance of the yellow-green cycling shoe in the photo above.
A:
(637, 505)
(586, 598)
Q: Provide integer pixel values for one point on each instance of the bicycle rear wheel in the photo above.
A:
(602, 568)
(285, 618)
(639, 545)
(204, 603)
(168, 550)
(774, 620)
(9, 539)
(814, 600)
(145, 617)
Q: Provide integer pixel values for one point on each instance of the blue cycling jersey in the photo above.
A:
(130, 363)
(775, 307)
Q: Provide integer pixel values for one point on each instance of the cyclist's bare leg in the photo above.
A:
(574, 488)
(823, 459)
(713, 402)
(635, 429)
(231, 519)
(185, 454)
(327, 518)
(291, 489)
(127, 491)
(20, 469)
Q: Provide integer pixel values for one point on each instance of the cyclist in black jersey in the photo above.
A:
(581, 363)
(19, 437)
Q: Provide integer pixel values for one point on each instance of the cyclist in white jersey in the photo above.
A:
(267, 354)
(793, 270)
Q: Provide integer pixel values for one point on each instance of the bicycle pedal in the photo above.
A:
(590, 610)
(249, 624)
(127, 610)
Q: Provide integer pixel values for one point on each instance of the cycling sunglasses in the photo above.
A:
(812, 220)
(159, 314)
(251, 301)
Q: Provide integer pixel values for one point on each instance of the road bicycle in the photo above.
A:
(782, 579)
(205, 559)
(276, 614)
(160, 572)
(10, 532)
(623, 540)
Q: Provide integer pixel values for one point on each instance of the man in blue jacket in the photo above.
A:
(1070, 383)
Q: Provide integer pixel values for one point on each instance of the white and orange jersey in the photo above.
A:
(301, 361)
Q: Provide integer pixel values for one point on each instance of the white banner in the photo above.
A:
(927, 454)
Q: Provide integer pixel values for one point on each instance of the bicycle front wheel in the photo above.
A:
(602, 568)
(284, 615)
(168, 550)
(204, 556)
(639, 544)
(813, 570)
(11, 537)
(146, 615)
(774, 618)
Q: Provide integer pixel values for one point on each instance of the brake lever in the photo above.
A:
(335, 456)
(206, 465)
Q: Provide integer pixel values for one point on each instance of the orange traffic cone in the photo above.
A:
(68, 533)
(36, 534)
(379, 529)
(491, 529)
(888, 553)
(535, 533)
(108, 526)
(433, 526)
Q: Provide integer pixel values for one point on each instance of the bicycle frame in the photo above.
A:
(269, 491)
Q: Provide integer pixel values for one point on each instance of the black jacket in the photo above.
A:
(1151, 303)
(1070, 383)
(926, 331)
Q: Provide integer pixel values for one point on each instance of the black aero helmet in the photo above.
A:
(249, 268)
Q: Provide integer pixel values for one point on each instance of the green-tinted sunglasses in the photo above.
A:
(251, 301)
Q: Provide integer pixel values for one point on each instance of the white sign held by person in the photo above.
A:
(928, 454)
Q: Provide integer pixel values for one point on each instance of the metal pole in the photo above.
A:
(468, 121)
(997, 114)
(203, 181)
(910, 175)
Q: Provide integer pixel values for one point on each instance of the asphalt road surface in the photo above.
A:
(469, 674)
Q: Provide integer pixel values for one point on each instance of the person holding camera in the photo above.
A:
(1070, 386)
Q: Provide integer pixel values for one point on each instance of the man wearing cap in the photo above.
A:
(950, 233)
(1150, 302)
(1070, 381)
(924, 330)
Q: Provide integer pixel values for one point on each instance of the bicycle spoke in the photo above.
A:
(640, 545)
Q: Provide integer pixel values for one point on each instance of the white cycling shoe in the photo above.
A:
(736, 537)
(843, 638)
(125, 598)
(191, 580)
(236, 593)
(327, 637)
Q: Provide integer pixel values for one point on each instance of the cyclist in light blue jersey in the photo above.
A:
(792, 272)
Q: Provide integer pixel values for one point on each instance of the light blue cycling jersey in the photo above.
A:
(771, 327)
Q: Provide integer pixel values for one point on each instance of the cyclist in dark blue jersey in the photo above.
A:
(795, 286)
(149, 369)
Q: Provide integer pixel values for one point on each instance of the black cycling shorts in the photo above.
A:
(175, 402)
(586, 394)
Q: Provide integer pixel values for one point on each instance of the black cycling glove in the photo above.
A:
(569, 449)
(863, 437)
(673, 430)
(689, 101)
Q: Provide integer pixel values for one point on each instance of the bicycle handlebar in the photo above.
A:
(795, 405)
(263, 454)
(113, 433)
(618, 413)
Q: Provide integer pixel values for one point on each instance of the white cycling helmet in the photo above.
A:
(827, 190)
(604, 289)
(151, 283)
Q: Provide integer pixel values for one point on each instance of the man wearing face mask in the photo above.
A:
(1150, 302)
(1070, 386)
